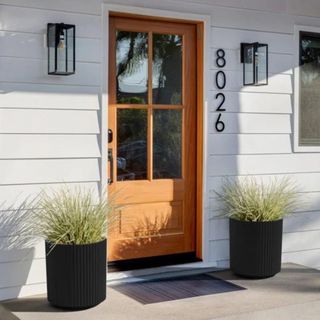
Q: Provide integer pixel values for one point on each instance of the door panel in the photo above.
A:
(152, 113)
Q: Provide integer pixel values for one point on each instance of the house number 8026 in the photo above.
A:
(221, 82)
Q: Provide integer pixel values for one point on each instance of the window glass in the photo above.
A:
(167, 144)
(309, 110)
(132, 67)
(167, 69)
(131, 144)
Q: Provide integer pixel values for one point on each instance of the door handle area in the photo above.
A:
(110, 159)
(110, 136)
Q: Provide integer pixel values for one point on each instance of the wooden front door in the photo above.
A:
(152, 156)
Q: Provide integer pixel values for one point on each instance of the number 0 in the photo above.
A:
(221, 80)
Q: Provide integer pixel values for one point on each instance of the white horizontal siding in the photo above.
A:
(299, 241)
(246, 102)
(14, 254)
(251, 123)
(278, 83)
(49, 126)
(278, 63)
(263, 164)
(293, 224)
(35, 146)
(48, 121)
(14, 194)
(244, 19)
(33, 46)
(48, 171)
(308, 201)
(31, 20)
(22, 272)
(305, 182)
(231, 39)
(36, 71)
(218, 250)
(41, 96)
(306, 221)
(92, 7)
(227, 144)
(309, 258)
(22, 291)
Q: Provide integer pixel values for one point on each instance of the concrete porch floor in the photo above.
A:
(293, 294)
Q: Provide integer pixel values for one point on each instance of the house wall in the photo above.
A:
(50, 127)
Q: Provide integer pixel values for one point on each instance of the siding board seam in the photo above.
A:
(44, 60)
(51, 84)
(50, 10)
(253, 30)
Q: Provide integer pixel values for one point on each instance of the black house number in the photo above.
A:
(221, 82)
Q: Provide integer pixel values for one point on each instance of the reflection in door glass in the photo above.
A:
(167, 127)
(167, 69)
(131, 144)
(132, 67)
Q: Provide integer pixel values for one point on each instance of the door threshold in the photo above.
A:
(152, 262)
(161, 272)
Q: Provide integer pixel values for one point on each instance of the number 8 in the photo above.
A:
(221, 61)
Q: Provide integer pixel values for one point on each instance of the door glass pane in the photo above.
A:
(132, 67)
(167, 142)
(309, 90)
(131, 144)
(167, 69)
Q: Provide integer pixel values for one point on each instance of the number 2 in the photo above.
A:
(222, 101)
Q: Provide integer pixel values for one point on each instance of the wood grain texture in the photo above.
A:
(151, 221)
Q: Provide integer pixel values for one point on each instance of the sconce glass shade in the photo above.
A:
(61, 49)
(254, 57)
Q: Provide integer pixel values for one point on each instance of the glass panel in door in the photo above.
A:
(167, 69)
(131, 67)
(131, 144)
(167, 144)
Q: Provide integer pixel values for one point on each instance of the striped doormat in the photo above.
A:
(176, 288)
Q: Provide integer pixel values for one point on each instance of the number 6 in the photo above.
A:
(220, 124)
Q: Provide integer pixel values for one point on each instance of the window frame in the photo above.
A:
(296, 105)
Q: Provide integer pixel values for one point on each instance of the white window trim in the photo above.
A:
(297, 147)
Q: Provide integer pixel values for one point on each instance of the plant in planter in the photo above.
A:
(255, 211)
(74, 225)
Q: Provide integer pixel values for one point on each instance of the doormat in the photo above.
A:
(176, 288)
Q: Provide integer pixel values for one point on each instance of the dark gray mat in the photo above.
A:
(176, 288)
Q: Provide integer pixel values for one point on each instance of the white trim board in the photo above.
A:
(206, 19)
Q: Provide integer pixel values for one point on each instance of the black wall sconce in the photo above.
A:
(61, 49)
(254, 57)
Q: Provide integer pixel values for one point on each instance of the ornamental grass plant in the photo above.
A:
(73, 217)
(254, 201)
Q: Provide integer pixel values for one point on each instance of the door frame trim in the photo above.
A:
(203, 24)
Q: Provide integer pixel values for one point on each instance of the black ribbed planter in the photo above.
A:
(76, 275)
(255, 248)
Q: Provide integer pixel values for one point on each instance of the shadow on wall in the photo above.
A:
(17, 249)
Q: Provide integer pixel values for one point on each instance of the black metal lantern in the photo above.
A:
(254, 57)
(61, 49)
